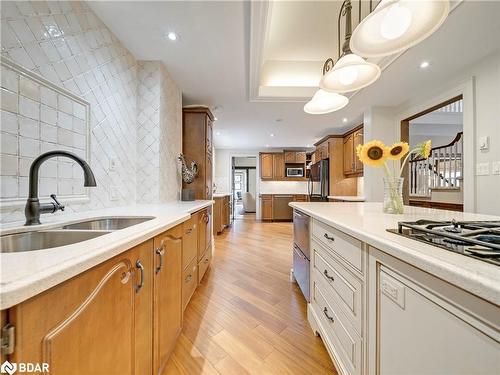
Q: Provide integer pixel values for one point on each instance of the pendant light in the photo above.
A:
(351, 72)
(325, 102)
(396, 25)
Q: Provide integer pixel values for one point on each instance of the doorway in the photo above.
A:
(244, 186)
(436, 182)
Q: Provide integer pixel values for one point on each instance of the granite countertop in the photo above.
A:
(347, 198)
(367, 222)
(26, 274)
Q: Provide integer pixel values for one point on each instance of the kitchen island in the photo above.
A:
(385, 303)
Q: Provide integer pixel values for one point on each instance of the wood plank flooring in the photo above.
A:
(246, 317)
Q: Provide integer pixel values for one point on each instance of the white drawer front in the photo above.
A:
(347, 344)
(342, 245)
(338, 283)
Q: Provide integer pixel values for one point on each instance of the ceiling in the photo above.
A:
(211, 62)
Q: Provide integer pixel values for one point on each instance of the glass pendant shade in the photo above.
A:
(396, 25)
(325, 102)
(350, 73)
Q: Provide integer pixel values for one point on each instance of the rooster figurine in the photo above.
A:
(188, 173)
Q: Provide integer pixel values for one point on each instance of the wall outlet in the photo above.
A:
(114, 193)
(112, 164)
(483, 169)
(495, 167)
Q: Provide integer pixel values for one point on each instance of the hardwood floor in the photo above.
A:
(246, 317)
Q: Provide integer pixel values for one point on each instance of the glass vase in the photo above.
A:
(393, 195)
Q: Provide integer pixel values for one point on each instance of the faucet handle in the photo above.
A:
(57, 205)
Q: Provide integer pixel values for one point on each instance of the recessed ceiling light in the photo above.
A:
(308, 145)
(267, 145)
(279, 119)
(215, 118)
(344, 119)
(272, 135)
(424, 64)
(217, 133)
(172, 36)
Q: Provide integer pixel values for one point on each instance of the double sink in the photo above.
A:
(66, 234)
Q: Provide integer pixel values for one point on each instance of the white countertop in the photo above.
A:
(26, 274)
(221, 195)
(367, 222)
(347, 198)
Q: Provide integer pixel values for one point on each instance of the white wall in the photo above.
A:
(480, 84)
(67, 44)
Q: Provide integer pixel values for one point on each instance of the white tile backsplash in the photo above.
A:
(68, 45)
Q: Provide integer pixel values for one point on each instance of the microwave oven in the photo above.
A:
(295, 172)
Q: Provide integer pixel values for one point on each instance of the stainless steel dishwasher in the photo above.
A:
(301, 251)
(281, 208)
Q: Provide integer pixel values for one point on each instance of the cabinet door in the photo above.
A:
(325, 152)
(208, 176)
(189, 240)
(358, 140)
(105, 308)
(420, 333)
(279, 166)
(217, 218)
(267, 207)
(266, 166)
(167, 294)
(209, 133)
(300, 157)
(202, 232)
(225, 213)
(208, 232)
(348, 155)
(290, 157)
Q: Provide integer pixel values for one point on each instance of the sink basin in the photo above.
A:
(110, 223)
(38, 240)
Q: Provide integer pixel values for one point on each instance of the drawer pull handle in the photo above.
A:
(189, 230)
(206, 260)
(139, 265)
(160, 252)
(188, 278)
(329, 237)
(325, 272)
(325, 311)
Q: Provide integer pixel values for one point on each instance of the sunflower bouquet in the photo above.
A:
(376, 154)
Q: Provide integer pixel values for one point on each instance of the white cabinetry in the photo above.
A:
(379, 315)
(423, 325)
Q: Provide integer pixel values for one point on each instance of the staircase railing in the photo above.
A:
(442, 170)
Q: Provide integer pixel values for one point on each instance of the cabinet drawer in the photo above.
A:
(346, 343)
(340, 244)
(189, 282)
(344, 288)
(189, 240)
(204, 263)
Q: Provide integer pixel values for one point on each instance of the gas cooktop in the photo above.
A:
(476, 239)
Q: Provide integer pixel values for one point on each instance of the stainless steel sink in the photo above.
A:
(110, 223)
(46, 239)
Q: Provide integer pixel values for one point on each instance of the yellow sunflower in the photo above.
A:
(373, 153)
(424, 149)
(398, 150)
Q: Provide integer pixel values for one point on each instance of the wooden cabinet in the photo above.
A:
(348, 154)
(190, 240)
(107, 309)
(266, 204)
(352, 164)
(221, 213)
(300, 198)
(204, 231)
(266, 166)
(167, 295)
(189, 282)
(295, 157)
(278, 166)
(357, 140)
(197, 146)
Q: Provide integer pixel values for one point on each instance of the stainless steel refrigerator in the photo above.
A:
(319, 179)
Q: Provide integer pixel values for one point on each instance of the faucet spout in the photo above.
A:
(33, 207)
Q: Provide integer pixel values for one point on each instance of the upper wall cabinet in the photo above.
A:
(352, 165)
(197, 146)
(297, 157)
(273, 165)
